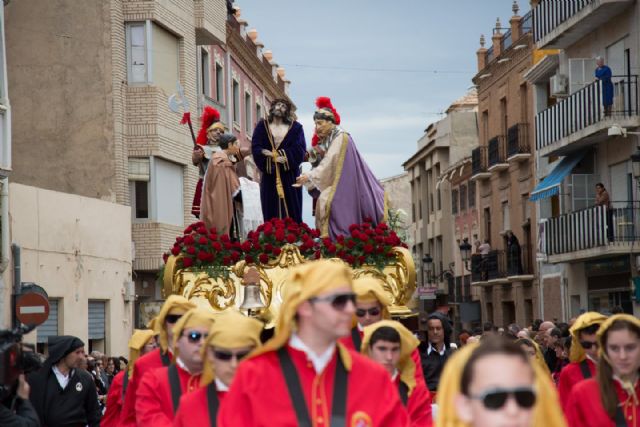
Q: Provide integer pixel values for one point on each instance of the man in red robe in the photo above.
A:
(583, 356)
(231, 338)
(390, 344)
(303, 376)
(372, 305)
(141, 342)
(173, 308)
(159, 393)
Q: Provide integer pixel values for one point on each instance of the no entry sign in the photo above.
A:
(32, 305)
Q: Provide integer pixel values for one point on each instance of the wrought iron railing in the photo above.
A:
(584, 108)
(516, 260)
(478, 160)
(518, 140)
(497, 150)
(548, 14)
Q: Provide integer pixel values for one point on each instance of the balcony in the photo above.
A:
(592, 232)
(502, 266)
(210, 21)
(479, 164)
(559, 24)
(581, 120)
(498, 154)
(518, 148)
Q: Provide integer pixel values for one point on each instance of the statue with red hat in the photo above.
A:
(349, 192)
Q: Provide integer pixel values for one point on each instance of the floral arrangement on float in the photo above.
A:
(206, 265)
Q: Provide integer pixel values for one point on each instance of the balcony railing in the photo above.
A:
(592, 227)
(478, 160)
(518, 140)
(502, 264)
(584, 108)
(497, 151)
(548, 14)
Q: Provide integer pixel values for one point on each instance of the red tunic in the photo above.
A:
(570, 376)
(584, 408)
(194, 409)
(259, 396)
(154, 405)
(111, 417)
(415, 355)
(418, 405)
(147, 363)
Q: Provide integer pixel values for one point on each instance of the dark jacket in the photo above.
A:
(23, 415)
(433, 362)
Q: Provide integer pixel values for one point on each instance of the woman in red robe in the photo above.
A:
(611, 398)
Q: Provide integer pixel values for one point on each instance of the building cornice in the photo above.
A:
(496, 69)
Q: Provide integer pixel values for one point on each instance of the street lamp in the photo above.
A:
(465, 252)
(427, 266)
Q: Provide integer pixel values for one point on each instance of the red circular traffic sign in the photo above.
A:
(32, 308)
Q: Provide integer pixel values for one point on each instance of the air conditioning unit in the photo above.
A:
(129, 291)
(559, 85)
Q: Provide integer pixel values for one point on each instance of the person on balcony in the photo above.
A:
(514, 258)
(604, 74)
(602, 199)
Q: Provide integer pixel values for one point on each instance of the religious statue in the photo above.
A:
(278, 148)
(349, 192)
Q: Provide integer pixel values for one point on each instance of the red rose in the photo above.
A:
(267, 227)
(228, 245)
(369, 232)
(368, 219)
(165, 257)
(226, 260)
(250, 235)
(268, 232)
(277, 251)
(246, 247)
(353, 227)
(202, 240)
(317, 254)
(263, 258)
(326, 241)
(179, 239)
(379, 239)
(292, 227)
(350, 259)
(315, 233)
(213, 236)
(189, 240)
(350, 243)
(202, 229)
(213, 230)
(202, 255)
(367, 249)
(188, 230)
(291, 238)
(390, 255)
(383, 226)
(191, 250)
(225, 238)
(235, 256)
(366, 225)
(355, 232)
(364, 237)
(280, 235)
(187, 262)
(331, 248)
(268, 248)
(361, 259)
(380, 249)
(248, 259)
(340, 239)
(216, 246)
(175, 250)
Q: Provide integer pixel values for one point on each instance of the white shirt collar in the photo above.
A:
(182, 366)
(220, 386)
(320, 361)
(63, 379)
(395, 374)
(432, 348)
(360, 327)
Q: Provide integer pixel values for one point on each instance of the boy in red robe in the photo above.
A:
(583, 355)
(141, 342)
(173, 308)
(303, 376)
(390, 343)
(610, 399)
(158, 396)
(231, 338)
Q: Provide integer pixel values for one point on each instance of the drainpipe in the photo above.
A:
(229, 97)
(17, 282)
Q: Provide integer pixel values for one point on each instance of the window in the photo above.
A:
(506, 222)
(50, 328)
(582, 191)
(204, 76)
(258, 112)
(439, 197)
(248, 121)
(454, 201)
(139, 176)
(152, 56)
(472, 194)
(219, 83)
(463, 198)
(97, 316)
(236, 102)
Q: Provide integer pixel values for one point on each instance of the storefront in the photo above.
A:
(609, 284)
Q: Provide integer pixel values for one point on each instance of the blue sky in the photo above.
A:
(424, 51)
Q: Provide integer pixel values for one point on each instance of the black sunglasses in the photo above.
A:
(496, 398)
(337, 301)
(361, 312)
(172, 318)
(228, 355)
(588, 344)
(195, 336)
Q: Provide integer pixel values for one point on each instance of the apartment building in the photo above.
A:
(588, 252)
(5, 168)
(444, 143)
(503, 169)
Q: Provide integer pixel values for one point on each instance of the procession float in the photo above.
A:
(251, 275)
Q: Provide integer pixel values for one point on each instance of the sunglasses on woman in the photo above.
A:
(495, 399)
(588, 344)
(228, 355)
(195, 336)
(337, 301)
(361, 312)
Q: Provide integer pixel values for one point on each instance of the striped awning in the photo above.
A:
(550, 185)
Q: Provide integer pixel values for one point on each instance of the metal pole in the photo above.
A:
(17, 285)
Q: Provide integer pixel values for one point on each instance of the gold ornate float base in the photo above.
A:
(219, 294)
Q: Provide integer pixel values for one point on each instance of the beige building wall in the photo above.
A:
(78, 249)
